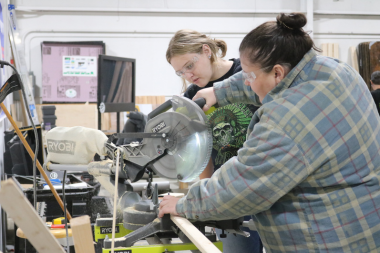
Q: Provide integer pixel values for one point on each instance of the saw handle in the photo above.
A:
(200, 102)
(168, 104)
(160, 109)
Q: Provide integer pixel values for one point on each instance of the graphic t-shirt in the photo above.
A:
(228, 123)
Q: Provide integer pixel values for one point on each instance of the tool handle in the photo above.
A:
(200, 102)
(160, 109)
(31, 153)
(168, 104)
(59, 226)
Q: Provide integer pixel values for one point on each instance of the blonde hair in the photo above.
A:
(189, 41)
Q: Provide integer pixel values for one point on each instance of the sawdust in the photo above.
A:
(157, 220)
(133, 224)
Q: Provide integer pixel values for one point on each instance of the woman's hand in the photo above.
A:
(207, 94)
(168, 205)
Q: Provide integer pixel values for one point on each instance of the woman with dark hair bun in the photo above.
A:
(309, 170)
(199, 60)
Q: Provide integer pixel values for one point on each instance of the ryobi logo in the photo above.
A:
(108, 230)
(157, 128)
(61, 147)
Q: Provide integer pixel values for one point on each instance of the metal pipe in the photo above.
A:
(310, 16)
(61, 167)
(162, 185)
(146, 10)
(187, 11)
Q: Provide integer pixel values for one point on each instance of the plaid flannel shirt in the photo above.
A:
(309, 170)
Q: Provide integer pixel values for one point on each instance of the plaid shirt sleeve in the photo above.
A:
(233, 90)
(268, 166)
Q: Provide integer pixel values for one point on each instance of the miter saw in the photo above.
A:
(177, 144)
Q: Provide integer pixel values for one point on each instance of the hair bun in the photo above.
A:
(292, 21)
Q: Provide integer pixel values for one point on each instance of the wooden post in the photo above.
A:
(82, 234)
(195, 236)
(23, 106)
(182, 185)
(16, 205)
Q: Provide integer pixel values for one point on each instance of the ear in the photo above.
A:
(279, 73)
(206, 49)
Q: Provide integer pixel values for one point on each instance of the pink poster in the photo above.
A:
(69, 71)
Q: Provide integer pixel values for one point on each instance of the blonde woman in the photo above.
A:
(198, 60)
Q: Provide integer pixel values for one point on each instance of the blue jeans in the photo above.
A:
(239, 243)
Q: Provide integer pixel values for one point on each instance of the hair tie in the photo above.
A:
(282, 23)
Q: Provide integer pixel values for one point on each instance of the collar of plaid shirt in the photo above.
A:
(289, 78)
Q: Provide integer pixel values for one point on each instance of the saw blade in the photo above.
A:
(188, 143)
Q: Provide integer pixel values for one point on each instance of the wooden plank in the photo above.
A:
(324, 49)
(160, 99)
(330, 52)
(21, 211)
(106, 121)
(195, 236)
(154, 100)
(183, 185)
(354, 58)
(82, 234)
(13, 111)
(24, 118)
(336, 50)
(150, 99)
(69, 115)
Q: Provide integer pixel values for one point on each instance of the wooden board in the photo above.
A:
(374, 51)
(82, 234)
(86, 115)
(354, 58)
(364, 62)
(336, 50)
(195, 236)
(324, 49)
(21, 211)
(330, 52)
(150, 100)
(69, 115)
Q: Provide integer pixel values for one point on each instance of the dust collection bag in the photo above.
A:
(74, 145)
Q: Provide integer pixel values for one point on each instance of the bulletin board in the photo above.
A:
(69, 71)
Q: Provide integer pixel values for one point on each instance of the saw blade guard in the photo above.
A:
(189, 142)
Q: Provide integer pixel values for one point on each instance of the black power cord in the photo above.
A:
(2, 64)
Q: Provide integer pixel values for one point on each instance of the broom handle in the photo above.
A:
(31, 153)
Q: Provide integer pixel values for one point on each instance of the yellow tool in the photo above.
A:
(59, 221)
